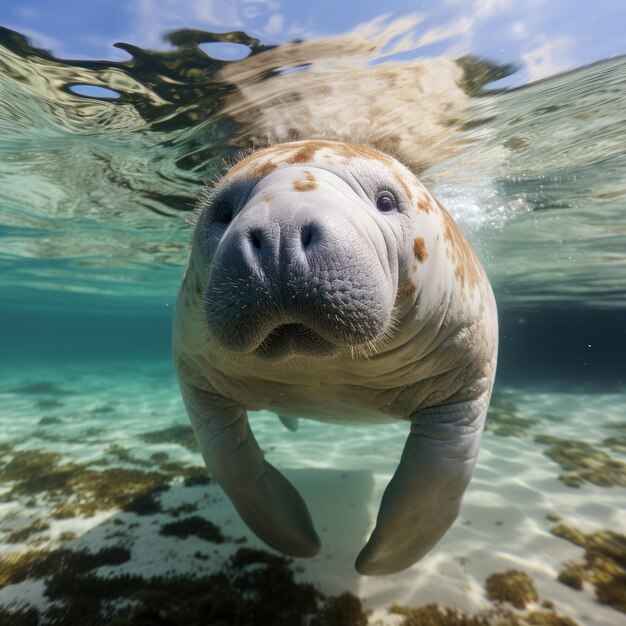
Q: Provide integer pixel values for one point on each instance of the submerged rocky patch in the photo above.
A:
(604, 565)
(15, 568)
(193, 526)
(617, 443)
(74, 489)
(512, 586)
(434, 615)
(40, 388)
(182, 434)
(583, 463)
(253, 588)
(24, 533)
(504, 589)
(504, 420)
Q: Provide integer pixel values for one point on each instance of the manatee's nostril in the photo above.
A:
(306, 235)
(255, 239)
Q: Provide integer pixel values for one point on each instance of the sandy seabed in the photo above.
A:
(100, 456)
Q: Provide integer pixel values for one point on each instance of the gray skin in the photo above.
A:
(325, 282)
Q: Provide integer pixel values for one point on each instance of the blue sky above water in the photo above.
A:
(541, 37)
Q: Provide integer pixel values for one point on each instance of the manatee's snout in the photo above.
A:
(298, 274)
(266, 244)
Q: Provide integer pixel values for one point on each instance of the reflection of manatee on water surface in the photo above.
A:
(326, 282)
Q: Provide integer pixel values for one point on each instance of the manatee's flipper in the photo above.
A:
(290, 423)
(264, 498)
(424, 495)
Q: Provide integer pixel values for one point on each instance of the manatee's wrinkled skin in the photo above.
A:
(326, 282)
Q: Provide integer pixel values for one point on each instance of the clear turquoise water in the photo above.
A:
(94, 199)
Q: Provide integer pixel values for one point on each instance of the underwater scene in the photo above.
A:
(114, 119)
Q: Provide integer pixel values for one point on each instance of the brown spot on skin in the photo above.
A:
(424, 204)
(409, 289)
(407, 190)
(350, 150)
(305, 154)
(263, 169)
(305, 185)
(347, 151)
(232, 172)
(419, 249)
(467, 270)
(258, 163)
(266, 197)
(268, 159)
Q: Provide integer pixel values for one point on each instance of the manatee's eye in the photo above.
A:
(385, 202)
(223, 213)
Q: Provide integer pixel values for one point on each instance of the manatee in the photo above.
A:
(325, 282)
